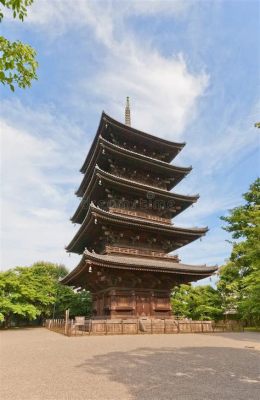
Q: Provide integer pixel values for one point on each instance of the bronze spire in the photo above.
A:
(127, 112)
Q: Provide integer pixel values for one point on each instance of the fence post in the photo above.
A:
(67, 313)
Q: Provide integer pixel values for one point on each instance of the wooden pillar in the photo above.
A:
(134, 302)
(152, 305)
(112, 302)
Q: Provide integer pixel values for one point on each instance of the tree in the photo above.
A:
(18, 63)
(180, 301)
(196, 302)
(238, 288)
(249, 305)
(27, 293)
(240, 278)
(81, 304)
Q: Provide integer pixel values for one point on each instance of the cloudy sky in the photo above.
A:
(191, 71)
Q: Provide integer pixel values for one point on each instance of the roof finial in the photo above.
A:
(127, 112)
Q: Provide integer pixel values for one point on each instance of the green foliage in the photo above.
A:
(79, 303)
(181, 301)
(239, 282)
(31, 292)
(238, 288)
(22, 294)
(18, 7)
(18, 63)
(28, 291)
(249, 304)
(196, 302)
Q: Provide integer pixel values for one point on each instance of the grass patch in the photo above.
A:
(252, 329)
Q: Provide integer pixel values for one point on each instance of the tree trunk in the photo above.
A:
(7, 321)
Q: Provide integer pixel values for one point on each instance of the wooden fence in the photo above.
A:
(81, 326)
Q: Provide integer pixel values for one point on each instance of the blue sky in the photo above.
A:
(191, 69)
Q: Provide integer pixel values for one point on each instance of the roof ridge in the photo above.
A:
(94, 254)
(105, 116)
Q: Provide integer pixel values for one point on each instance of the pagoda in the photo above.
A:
(125, 217)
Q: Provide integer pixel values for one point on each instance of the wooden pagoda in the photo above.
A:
(125, 230)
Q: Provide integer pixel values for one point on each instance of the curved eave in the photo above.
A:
(157, 165)
(136, 264)
(94, 144)
(96, 213)
(106, 119)
(142, 186)
(105, 143)
(129, 185)
(99, 213)
(145, 135)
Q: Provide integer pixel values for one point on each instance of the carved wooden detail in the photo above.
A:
(140, 214)
(125, 303)
(133, 174)
(140, 252)
(145, 150)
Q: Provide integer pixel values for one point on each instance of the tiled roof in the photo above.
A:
(148, 262)
(141, 133)
(142, 221)
(137, 263)
(107, 119)
(126, 220)
(143, 157)
(149, 161)
(98, 172)
(147, 187)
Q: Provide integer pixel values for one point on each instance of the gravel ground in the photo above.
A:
(39, 364)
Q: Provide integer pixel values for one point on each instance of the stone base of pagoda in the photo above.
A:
(118, 303)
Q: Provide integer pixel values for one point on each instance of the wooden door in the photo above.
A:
(142, 306)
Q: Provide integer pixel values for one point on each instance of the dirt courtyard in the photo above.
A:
(37, 364)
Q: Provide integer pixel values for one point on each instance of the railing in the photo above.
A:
(137, 326)
(141, 252)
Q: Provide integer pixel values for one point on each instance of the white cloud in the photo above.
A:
(35, 205)
(66, 13)
(163, 90)
(157, 7)
(164, 93)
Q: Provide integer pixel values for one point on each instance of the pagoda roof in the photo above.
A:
(145, 161)
(78, 243)
(106, 120)
(127, 184)
(123, 262)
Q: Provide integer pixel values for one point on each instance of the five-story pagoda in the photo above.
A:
(125, 231)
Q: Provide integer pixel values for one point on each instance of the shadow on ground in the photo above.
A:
(201, 373)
